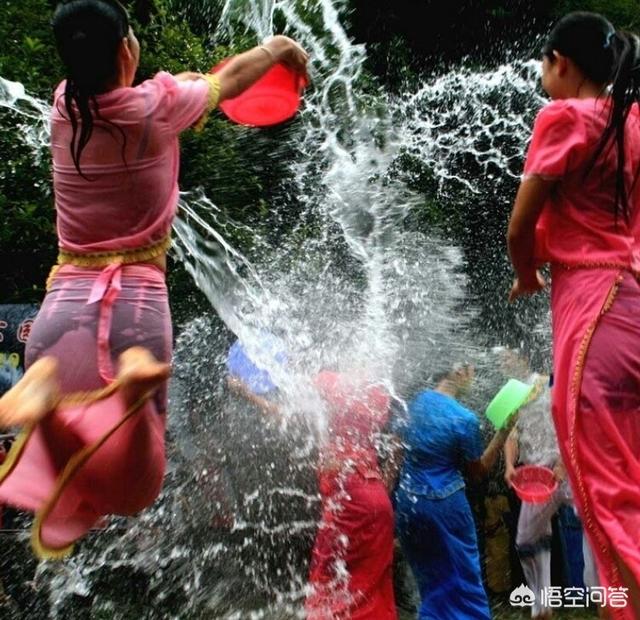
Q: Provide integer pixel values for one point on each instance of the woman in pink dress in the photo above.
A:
(93, 399)
(578, 208)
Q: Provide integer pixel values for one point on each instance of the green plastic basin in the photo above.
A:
(513, 395)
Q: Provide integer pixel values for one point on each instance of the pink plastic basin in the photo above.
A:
(534, 484)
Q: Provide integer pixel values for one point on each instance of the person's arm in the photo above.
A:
(264, 406)
(188, 97)
(510, 456)
(187, 76)
(246, 68)
(480, 468)
(530, 200)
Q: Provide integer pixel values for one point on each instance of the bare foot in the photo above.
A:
(29, 400)
(140, 373)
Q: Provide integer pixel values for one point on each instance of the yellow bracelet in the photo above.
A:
(214, 97)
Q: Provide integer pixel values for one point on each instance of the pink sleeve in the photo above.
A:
(182, 103)
(559, 142)
(59, 91)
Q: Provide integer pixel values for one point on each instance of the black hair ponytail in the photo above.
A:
(625, 93)
(88, 34)
(610, 58)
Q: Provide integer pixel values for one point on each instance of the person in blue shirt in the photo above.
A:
(434, 520)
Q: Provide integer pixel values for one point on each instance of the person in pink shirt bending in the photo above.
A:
(93, 399)
(578, 208)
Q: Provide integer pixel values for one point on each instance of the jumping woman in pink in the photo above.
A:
(93, 399)
(578, 208)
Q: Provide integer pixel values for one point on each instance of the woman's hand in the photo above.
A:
(509, 473)
(533, 194)
(289, 52)
(560, 472)
(527, 286)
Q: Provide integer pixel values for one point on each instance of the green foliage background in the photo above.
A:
(405, 39)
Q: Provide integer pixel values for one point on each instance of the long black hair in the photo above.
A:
(88, 34)
(608, 57)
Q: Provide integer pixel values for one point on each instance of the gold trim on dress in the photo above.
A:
(73, 465)
(126, 257)
(594, 265)
(95, 260)
(103, 259)
(575, 388)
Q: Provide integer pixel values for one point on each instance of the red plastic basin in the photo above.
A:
(273, 99)
(534, 484)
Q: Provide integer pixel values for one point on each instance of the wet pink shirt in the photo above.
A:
(577, 225)
(130, 195)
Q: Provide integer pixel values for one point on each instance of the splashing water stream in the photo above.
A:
(358, 281)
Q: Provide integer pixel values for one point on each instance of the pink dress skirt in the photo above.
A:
(596, 408)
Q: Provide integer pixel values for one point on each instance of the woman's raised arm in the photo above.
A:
(243, 70)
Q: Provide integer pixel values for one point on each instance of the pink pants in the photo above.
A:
(94, 457)
(608, 432)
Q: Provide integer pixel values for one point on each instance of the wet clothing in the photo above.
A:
(131, 196)
(67, 328)
(440, 436)
(352, 559)
(595, 301)
(438, 537)
(434, 520)
(91, 456)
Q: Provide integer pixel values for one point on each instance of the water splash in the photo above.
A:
(357, 281)
(468, 116)
(31, 113)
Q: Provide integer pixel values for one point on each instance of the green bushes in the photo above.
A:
(237, 168)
